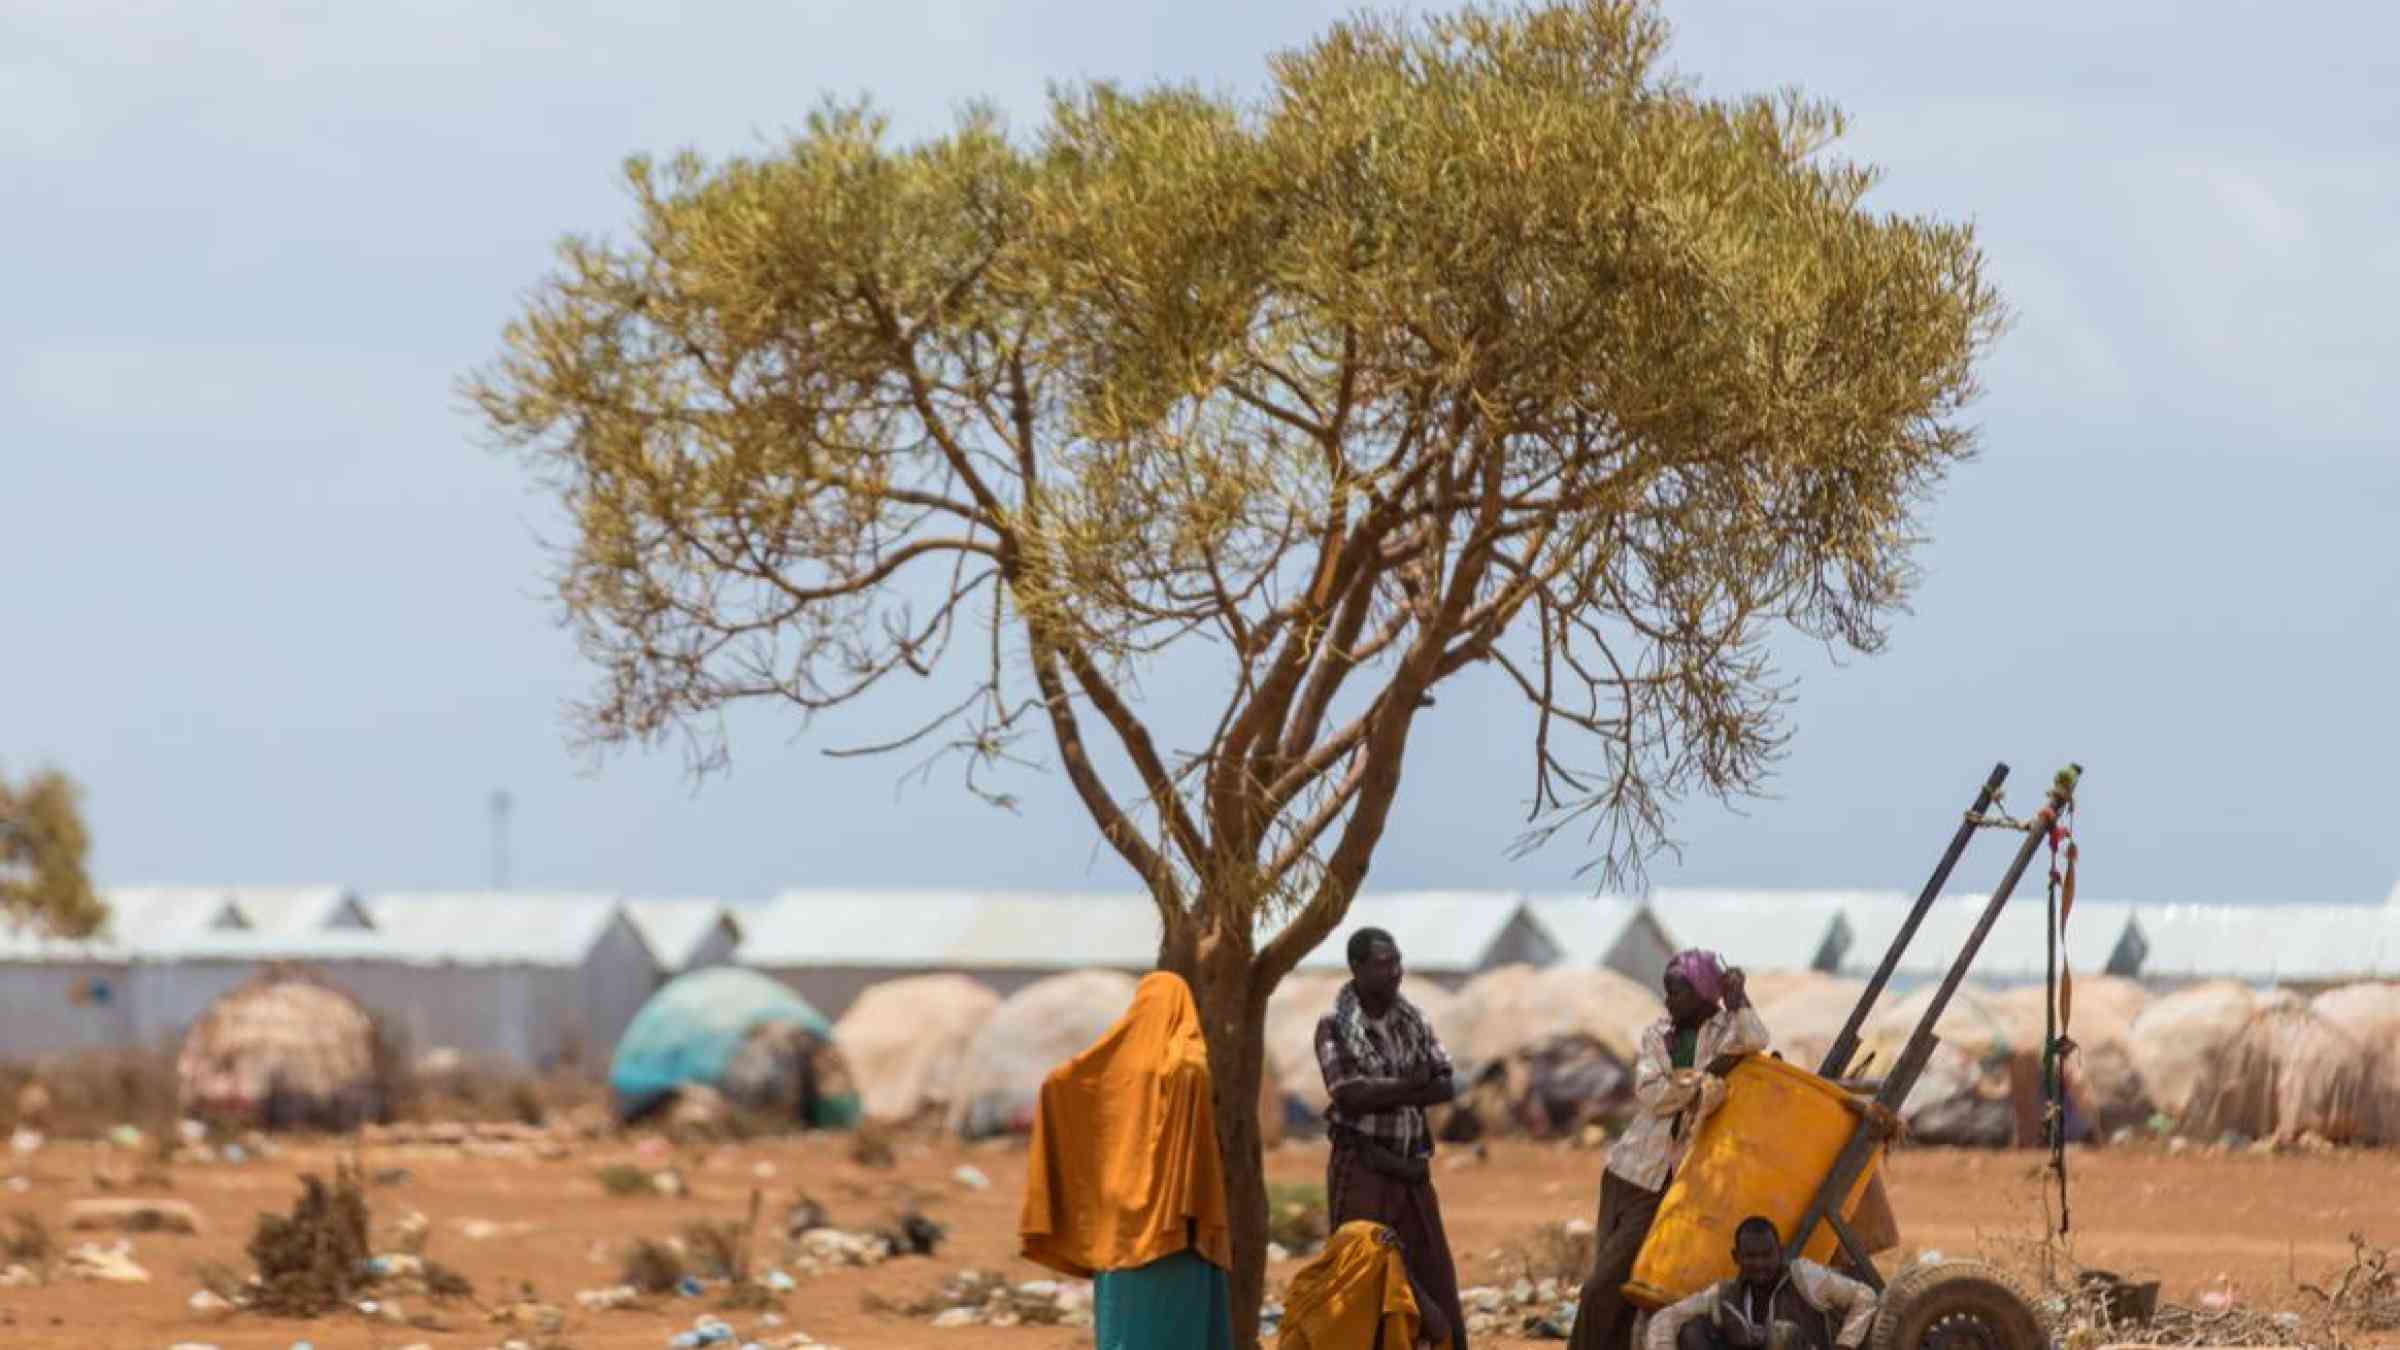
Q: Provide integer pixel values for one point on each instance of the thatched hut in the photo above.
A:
(2285, 1073)
(1804, 1011)
(1031, 1032)
(905, 1039)
(2174, 1039)
(1036, 1029)
(281, 1052)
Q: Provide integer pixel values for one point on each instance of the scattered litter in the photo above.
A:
(17, 1277)
(409, 1232)
(481, 1230)
(971, 1178)
(235, 1153)
(779, 1282)
(208, 1301)
(530, 1316)
(1276, 1252)
(112, 1264)
(26, 1141)
(191, 1345)
(804, 1215)
(1525, 1306)
(191, 1131)
(670, 1183)
(975, 1298)
(821, 1248)
(604, 1300)
(19, 1185)
(764, 1171)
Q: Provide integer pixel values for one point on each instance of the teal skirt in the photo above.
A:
(1177, 1302)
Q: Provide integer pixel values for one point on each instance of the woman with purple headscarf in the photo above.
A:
(1678, 1082)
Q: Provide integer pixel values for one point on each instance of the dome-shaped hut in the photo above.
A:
(283, 1051)
(904, 1040)
(742, 1034)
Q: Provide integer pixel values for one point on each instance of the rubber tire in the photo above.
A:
(1926, 1295)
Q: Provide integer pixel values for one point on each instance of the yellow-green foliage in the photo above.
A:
(42, 851)
(1471, 342)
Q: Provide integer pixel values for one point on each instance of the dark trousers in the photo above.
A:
(1603, 1319)
(1354, 1191)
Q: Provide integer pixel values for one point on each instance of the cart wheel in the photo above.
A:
(1958, 1305)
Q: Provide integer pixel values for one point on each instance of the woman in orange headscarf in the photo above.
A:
(1125, 1186)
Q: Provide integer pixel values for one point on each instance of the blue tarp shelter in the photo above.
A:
(692, 1030)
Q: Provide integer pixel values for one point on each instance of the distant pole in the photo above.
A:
(501, 803)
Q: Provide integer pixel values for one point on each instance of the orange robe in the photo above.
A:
(1124, 1168)
(1352, 1292)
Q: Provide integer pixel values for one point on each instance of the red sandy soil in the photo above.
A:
(2259, 1221)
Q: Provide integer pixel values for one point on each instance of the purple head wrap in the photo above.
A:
(1703, 971)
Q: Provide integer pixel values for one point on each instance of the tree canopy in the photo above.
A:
(1474, 342)
(42, 851)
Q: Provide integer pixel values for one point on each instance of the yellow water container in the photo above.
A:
(1766, 1150)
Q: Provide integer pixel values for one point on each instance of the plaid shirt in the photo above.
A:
(1669, 1103)
(1830, 1294)
(1401, 1129)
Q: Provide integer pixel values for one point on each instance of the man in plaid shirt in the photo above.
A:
(1383, 1066)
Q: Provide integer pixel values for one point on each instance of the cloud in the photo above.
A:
(40, 113)
(2271, 225)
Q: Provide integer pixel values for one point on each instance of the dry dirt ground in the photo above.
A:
(2190, 1220)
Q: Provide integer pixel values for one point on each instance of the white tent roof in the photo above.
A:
(2015, 950)
(493, 927)
(158, 918)
(1765, 929)
(675, 929)
(952, 930)
(1588, 927)
(2268, 943)
(1447, 931)
(294, 909)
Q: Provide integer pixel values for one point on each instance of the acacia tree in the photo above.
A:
(42, 850)
(1477, 343)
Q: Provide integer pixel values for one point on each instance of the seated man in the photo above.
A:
(1771, 1305)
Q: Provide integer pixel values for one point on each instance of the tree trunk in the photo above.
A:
(1233, 1019)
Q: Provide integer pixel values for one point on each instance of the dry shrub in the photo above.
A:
(714, 1249)
(871, 1144)
(625, 1179)
(1296, 1215)
(28, 1243)
(481, 1090)
(93, 1093)
(309, 1264)
(652, 1267)
(1552, 1251)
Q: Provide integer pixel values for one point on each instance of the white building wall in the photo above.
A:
(40, 1016)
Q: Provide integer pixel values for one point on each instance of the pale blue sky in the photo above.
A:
(269, 600)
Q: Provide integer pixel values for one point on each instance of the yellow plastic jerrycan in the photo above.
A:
(1765, 1151)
